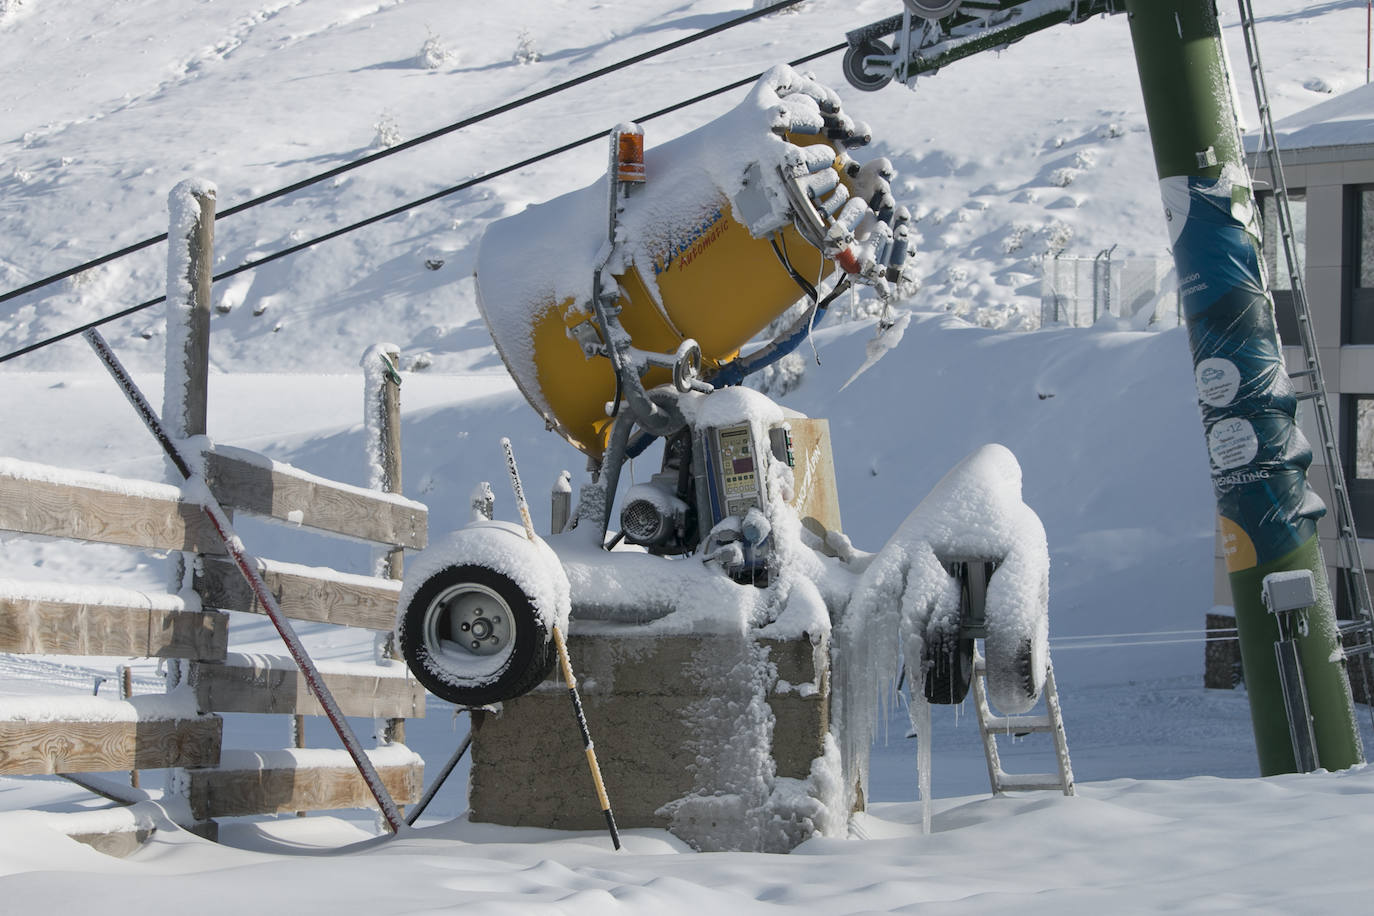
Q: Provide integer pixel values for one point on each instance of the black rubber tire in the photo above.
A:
(1025, 671)
(853, 66)
(531, 657)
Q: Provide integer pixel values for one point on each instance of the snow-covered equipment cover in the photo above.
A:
(908, 602)
(476, 613)
(694, 256)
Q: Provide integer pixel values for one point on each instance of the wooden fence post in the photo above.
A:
(382, 421)
(190, 263)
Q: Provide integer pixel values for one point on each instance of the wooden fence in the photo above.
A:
(181, 728)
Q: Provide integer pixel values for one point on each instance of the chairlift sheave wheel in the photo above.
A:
(932, 9)
(858, 75)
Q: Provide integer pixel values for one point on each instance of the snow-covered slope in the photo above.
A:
(1003, 158)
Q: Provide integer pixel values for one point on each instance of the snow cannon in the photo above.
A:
(657, 275)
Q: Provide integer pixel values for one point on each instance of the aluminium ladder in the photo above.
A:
(1357, 635)
(991, 724)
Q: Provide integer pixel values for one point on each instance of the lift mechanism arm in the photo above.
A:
(928, 34)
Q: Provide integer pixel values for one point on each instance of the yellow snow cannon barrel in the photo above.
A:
(694, 256)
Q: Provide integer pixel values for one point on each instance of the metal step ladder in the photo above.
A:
(1357, 635)
(990, 725)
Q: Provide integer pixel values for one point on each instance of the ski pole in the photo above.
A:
(564, 661)
(220, 522)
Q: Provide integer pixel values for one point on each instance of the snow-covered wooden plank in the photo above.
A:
(117, 832)
(45, 735)
(270, 782)
(55, 502)
(304, 593)
(273, 684)
(250, 482)
(46, 618)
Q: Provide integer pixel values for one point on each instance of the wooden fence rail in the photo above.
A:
(182, 730)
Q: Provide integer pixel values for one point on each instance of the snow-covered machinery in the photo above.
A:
(617, 314)
(622, 313)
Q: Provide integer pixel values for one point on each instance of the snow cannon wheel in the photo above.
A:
(472, 637)
(858, 75)
(949, 655)
(1017, 663)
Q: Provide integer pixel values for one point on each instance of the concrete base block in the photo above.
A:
(643, 697)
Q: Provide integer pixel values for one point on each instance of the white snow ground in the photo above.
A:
(109, 105)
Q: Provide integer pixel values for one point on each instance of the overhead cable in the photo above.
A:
(402, 208)
(409, 144)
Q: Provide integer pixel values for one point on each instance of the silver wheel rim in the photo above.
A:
(472, 624)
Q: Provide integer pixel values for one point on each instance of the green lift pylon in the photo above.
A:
(1268, 513)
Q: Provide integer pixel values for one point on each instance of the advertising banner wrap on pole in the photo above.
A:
(1259, 458)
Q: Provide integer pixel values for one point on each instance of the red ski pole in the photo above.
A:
(200, 492)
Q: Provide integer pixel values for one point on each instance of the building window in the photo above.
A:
(1359, 324)
(1280, 280)
(1358, 457)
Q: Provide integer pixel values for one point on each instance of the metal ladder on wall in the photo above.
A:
(1357, 635)
(990, 725)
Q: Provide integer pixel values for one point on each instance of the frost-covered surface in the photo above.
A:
(32, 590)
(377, 365)
(257, 459)
(62, 476)
(1103, 423)
(289, 758)
(267, 662)
(906, 594)
(330, 575)
(183, 205)
(176, 705)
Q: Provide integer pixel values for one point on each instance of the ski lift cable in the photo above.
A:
(1054, 643)
(402, 208)
(410, 144)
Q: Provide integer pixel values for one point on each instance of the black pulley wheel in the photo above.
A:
(859, 77)
(932, 9)
(472, 636)
(948, 652)
(949, 668)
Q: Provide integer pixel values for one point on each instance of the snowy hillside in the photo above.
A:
(1004, 158)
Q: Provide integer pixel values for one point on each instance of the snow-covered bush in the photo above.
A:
(434, 53)
(764, 4)
(388, 131)
(525, 51)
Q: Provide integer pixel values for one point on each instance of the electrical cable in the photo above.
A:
(429, 198)
(410, 144)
